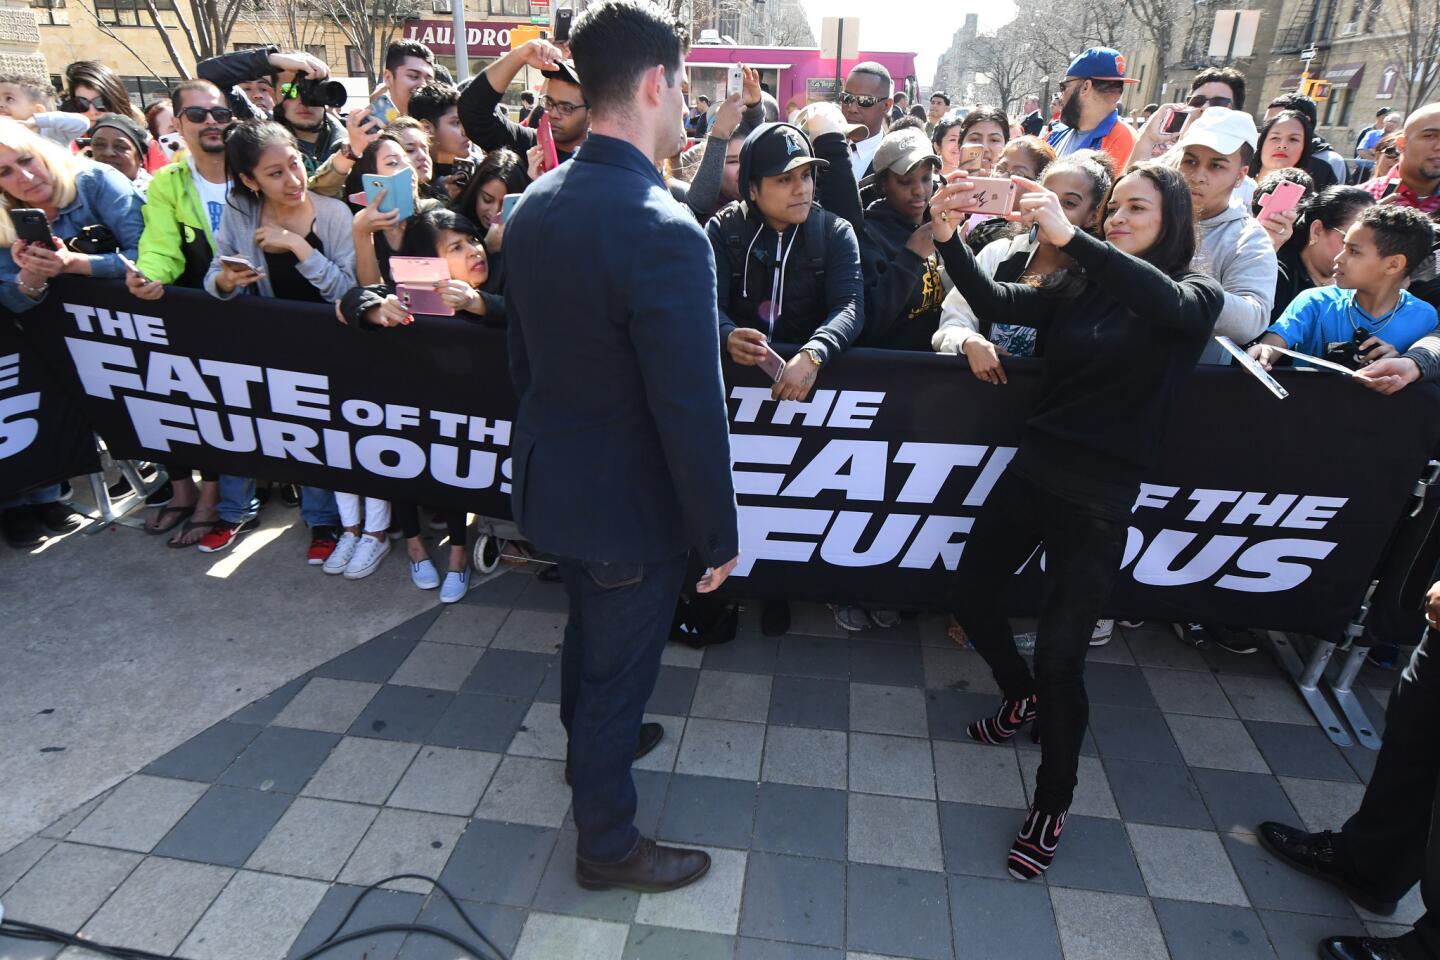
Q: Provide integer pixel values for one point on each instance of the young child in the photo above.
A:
(32, 102)
(1366, 316)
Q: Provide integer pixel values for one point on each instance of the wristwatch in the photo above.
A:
(348, 153)
(814, 356)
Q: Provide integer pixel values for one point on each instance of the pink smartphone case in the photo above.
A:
(414, 279)
(992, 195)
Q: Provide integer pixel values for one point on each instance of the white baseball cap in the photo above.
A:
(1222, 130)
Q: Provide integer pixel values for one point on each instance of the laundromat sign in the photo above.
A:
(483, 38)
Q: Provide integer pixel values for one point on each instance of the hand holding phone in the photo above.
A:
(32, 226)
(991, 195)
(507, 206)
(1174, 120)
(239, 265)
(772, 363)
(550, 157)
(735, 81)
(972, 155)
(1285, 197)
(563, 19)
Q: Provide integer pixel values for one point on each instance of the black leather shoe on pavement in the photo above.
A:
(1360, 948)
(650, 736)
(1315, 854)
(650, 868)
(59, 517)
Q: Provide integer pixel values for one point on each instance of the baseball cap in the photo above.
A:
(1222, 130)
(773, 149)
(1099, 63)
(899, 152)
(564, 70)
(127, 127)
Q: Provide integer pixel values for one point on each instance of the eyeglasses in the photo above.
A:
(1392, 152)
(198, 114)
(1202, 101)
(865, 103)
(563, 109)
(77, 104)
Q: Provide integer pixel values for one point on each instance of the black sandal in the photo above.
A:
(181, 514)
(191, 525)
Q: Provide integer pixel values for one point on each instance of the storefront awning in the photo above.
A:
(1345, 74)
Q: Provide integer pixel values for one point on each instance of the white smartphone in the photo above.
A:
(735, 83)
(240, 263)
(772, 363)
(170, 144)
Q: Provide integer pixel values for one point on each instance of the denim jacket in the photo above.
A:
(102, 196)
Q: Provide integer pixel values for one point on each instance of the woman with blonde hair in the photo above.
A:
(89, 207)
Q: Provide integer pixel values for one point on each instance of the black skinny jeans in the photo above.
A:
(1083, 550)
(408, 516)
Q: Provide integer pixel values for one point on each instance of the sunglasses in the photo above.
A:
(198, 114)
(1203, 101)
(77, 104)
(865, 103)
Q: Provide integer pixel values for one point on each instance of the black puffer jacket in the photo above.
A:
(903, 293)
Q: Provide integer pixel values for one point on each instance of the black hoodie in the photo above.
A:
(903, 293)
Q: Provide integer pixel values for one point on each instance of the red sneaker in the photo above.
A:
(221, 536)
(322, 544)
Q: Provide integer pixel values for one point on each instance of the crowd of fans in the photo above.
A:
(250, 182)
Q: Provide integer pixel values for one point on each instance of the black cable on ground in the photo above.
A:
(21, 930)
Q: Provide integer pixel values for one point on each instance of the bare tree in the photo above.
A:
(369, 26)
(206, 31)
(289, 24)
(1001, 57)
(1412, 40)
(1160, 20)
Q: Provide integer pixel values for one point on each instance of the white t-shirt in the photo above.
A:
(212, 195)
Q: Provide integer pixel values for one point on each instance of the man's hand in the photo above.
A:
(1265, 354)
(746, 346)
(1389, 376)
(984, 359)
(796, 379)
(312, 67)
(1432, 607)
(541, 54)
(750, 88)
(714, 576)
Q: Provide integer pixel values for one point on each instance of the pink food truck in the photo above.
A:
(795, 75)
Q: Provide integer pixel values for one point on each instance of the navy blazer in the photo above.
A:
(621, 447)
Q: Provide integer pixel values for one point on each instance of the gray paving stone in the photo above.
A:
(1093, 797)
(898, 711)
(1185, 865)
(1201, 931)
(674, 691)
(60, 828)
(1002, 918)
(499, 862)
(708, 811)
(501, 925)
(139, 813)
(662, 758)
(542, 595)
(724, 695)
(1274, 885)
(225, 826)
(949, 712)
(1158, 793)
(897, 912)
(327, 705)
(710, 904)
(313, 839)
(895, 766)
(887, 663)
(748, 948)
(501, 591)
(1292, 750)
(976, 839)
(978, 773)
(1118, 685)
(379, 908)
(205, 756)
(68, 884)
(479, 722)
(375, 660)
(749, 652)
(403, 841)
(281, 759)
(1240, 802)
(559, 893)
(679, 655)
(508, 673)
(466, 624)
(532, 631)
(445, 780)
(824, 657)
(264, 710)
(1322, 804)
(662, 943)
(816, 620)
(1216, 743)
(794, 899)
(438, 666)
(406, 714)
(1127, 734)
(803, 821)
(1188, 691)
(810, 702)
(721, 748)
(1294, 935)
(526, 790)
(361, 770)
(1156, 645)
(950, 668)
(1270, 698)
(1106, 926)
(157, 905)
(1095, 854)
(548, 936)
(15, 862)
(894, 832)
(256, 915)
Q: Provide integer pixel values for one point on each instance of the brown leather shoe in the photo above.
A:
(650, 868)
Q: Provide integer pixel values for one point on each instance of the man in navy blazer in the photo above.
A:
(621, 447)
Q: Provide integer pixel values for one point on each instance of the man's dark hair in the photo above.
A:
(177, 93)
(615, 41)
(907, 122)
(1229, 76)
(1382, 111)
(902, 93)
(1150, 108)
(1173, 250)
(918, 112)
(702, 99)
(870, 68)
(527, 97)
(1401, 230)
(941, 94)
(1299, 103)
(400, 50)
(443, 75)
(433, 101)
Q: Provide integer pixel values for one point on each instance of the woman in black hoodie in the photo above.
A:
(1123, 331)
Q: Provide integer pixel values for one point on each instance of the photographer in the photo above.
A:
(303, 111)
(249, 77)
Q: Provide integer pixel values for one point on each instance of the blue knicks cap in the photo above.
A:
(1100, 63)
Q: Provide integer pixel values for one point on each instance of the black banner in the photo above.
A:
(43, 435)
(1264, 512)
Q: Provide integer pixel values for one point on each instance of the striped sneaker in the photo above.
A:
(1012, 715)
(1035, 844)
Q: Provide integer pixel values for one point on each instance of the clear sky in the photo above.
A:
(924, 27)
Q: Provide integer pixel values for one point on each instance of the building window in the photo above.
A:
(316, 50)
(354, 63)
(1337, 108)
(512, 7)
(128, 13)
(51, 12)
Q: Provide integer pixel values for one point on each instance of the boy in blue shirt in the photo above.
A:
(1365, 316)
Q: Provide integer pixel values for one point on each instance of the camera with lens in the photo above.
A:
(320, 93)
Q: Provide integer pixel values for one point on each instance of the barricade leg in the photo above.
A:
(1341, 687)
(113, 514)
(1307, 675)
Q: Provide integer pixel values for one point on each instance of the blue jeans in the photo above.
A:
(620, 618)
(238, 503)
(36, 497)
